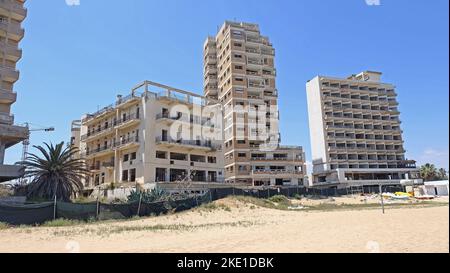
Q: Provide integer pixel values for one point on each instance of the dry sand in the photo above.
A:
(247, 228)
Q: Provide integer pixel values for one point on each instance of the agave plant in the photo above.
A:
(56, 173)
(148, 196)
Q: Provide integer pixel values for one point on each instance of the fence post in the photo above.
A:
(139, 206)
(54, 208)
(210, 196)
(98, 203)
(196, 199)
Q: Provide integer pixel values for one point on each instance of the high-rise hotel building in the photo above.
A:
(356, 137)
(12, 13)
(239, 72)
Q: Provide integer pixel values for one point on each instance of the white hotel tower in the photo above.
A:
(355, 132)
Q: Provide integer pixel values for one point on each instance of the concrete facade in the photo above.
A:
(157, 134)
(12, 13)
(356, 138)
(239, 72)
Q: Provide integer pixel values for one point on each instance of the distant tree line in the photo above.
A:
(429, 172)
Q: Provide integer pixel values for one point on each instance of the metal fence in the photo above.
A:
(32, 214)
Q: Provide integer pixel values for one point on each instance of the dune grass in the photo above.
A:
(3, 226)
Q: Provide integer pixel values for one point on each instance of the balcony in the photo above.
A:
(110, 164)
(6, 118)
(9, 74)
(12, 135)
(100, 151)
(268, 52)
(255, 85)
(253, 62)
(127, 142)
(12, 52)
(187, 143)
(13, 29)
(17, 11)
(252, 51)
(102, 112)
(7, 96)
(277, 172)
(253, 40)
(10, 172)
(99, 132)
(127, 120)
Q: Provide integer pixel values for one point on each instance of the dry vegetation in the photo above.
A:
(245, 224)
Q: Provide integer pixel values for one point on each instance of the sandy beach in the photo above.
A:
(234, 226)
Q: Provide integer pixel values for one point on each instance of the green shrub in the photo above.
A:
(297, 196)
(279, 199)
(61, 223)
(149, 196)
(3, 226)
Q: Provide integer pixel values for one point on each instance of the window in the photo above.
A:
(241, 141)
(178, 156)
(239, 90)
(242, 154)
(238, 67)
(161, 155)
(132, 175)
(133, 156)
(212, 159)
(126, 157)
(125, 175)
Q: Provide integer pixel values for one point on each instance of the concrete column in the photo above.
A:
(168, 175)
(2, 152)
(273, 182)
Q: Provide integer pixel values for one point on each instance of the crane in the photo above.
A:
(26, 142)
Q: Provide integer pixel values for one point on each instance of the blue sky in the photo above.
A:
(77, 58)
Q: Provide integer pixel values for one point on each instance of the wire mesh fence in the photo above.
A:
(32, 214)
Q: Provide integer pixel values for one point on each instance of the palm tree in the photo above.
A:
(442, 174)
(428, 172)
(57, 173)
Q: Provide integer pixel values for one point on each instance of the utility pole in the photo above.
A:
(381, 194)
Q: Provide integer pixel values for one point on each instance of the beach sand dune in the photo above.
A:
(232, 226)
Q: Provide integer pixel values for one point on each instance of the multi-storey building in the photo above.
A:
(355, 130)
(239, 72)
(12, 13)
(156, 134)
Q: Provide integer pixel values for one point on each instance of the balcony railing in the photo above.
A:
(126, 141)
(9, 72)
(275, 172)
(96, 131)
(127, 118)
(6, 119)
(276, 158)
(13, 28)
(8, 96)
(98, 150)
(199, 143)
(14, 7)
